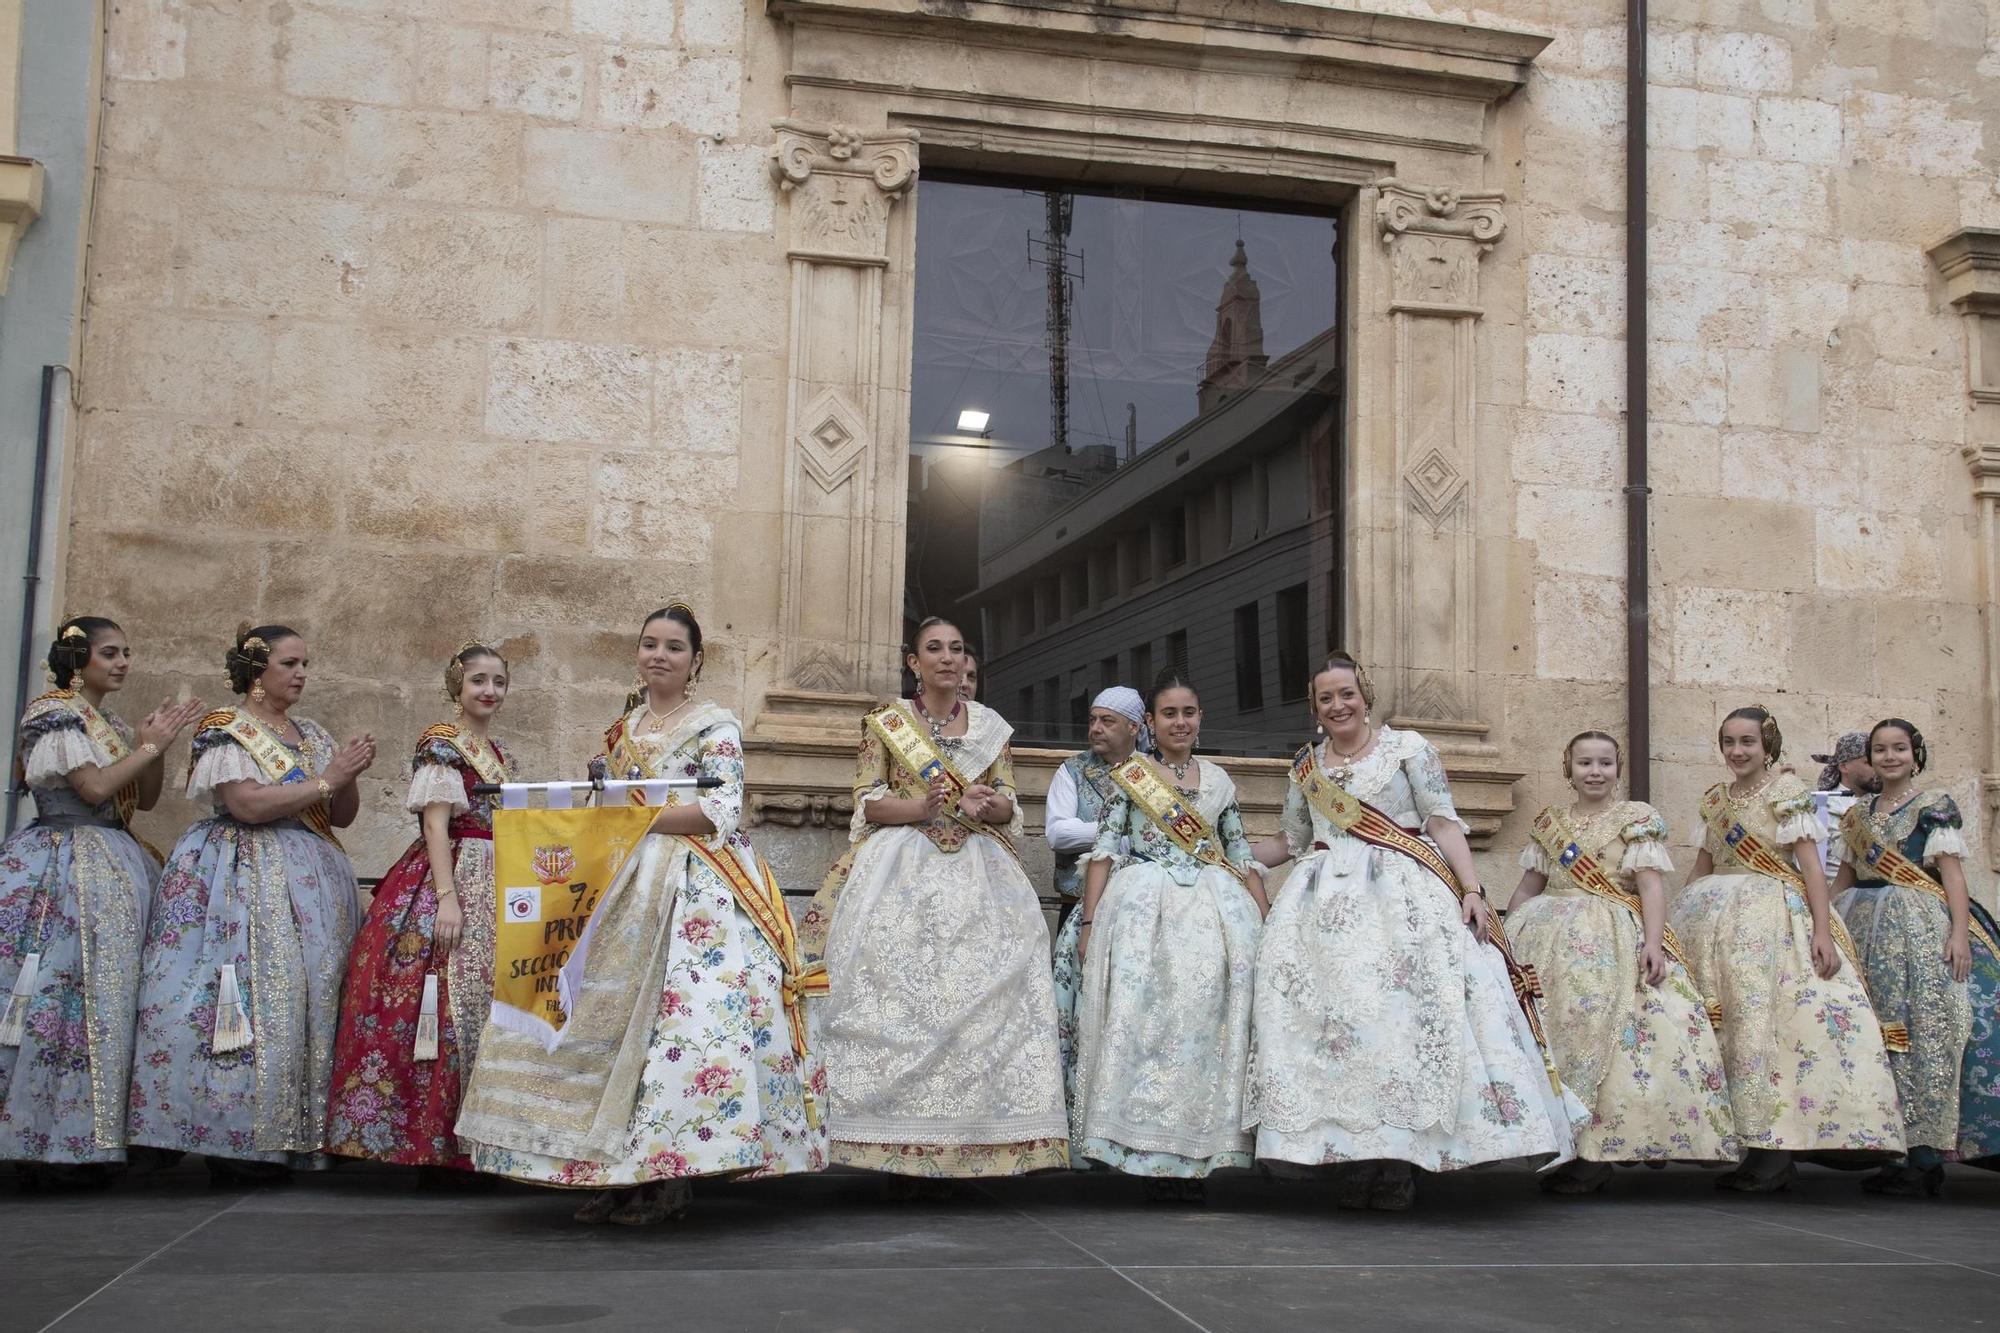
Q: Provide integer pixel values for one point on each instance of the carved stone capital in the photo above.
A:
(1983, 462)
(1969, 262)
(845, 183)
(1436, 238)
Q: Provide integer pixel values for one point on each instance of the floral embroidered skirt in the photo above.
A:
(77, 897)
(721, 1092)
(1163, 1025)
(1385, 1031)
(939, 1029)
(1948, 1081)
(386, 1103)
(1067, 974)
(279, 904)
(1643, 1058)
(1806, 1066)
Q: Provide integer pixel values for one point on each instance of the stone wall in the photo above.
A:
(417, 320)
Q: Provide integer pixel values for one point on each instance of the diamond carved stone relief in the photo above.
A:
(832, 442)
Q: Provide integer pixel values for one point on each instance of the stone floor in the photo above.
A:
(361, 1248)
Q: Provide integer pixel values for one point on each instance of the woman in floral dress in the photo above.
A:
(1169, 947)
(1928, 953)
(683, 1057)
(1630, 1033)
(939, 1027)
(1803, 1051)
(420, 977)
(77, 873)
(1387, 1031)
(247, 938)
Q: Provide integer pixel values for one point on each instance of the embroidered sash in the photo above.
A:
(919, 753)
(276, 760)
(1760, 858)
(1890, 864)
(1557, 839)
(1358, 819)
(486, 763)
(1181, 822)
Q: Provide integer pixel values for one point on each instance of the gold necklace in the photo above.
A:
(1751, 795)
(1345, 773)
(657, 722)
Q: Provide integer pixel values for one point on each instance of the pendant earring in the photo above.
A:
(457, 710)
(256, 691)
(692, 688)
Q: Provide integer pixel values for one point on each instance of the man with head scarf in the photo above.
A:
(1847, 777)
(1078, 794)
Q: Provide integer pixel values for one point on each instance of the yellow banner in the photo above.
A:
(552, 869)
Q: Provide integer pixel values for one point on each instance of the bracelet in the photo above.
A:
(325, 792)
(451, 892)
(150, 750)
(1084, 922)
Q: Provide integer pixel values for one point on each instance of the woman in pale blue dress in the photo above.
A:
(247, 939)
(1169, 944)
(76, 874)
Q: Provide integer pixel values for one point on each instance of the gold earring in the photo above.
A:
(691, 689)
(457, 710)
(256, 691)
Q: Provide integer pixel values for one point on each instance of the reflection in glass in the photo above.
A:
(1124, 438)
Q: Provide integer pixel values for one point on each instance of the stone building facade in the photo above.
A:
(408, 321)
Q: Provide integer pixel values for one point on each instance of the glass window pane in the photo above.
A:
(1125, 426)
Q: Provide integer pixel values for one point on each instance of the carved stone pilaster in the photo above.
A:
(1969, 263)
(847, 421)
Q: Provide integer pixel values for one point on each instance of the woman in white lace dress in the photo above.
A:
(1169, 947)
(939, 1026)
(1387, 1029)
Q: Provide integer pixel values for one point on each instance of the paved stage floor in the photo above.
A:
(362, 1248)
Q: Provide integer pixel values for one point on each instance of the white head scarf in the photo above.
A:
(1125, 701)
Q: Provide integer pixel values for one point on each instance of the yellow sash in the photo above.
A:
(275, 760)
(99, 729)
(763, 903)
(487, 765)
(1884, 860)
(919, 754)
(1181, 822)
(1356, 818)
(1557, 839)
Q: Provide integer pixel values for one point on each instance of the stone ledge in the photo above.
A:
(1969, 262)
(21, 182)
(1483, 62)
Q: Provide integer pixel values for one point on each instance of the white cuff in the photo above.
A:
(858, 826)
(1944, 842)
(1804, 827)
(1535, 859)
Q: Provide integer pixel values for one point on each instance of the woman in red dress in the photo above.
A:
(420, 979)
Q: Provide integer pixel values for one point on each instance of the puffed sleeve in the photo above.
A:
(436, 784)
(722, 759)
(1111, 829)
(219, 760)
(999, 775)
(1646, 846)
(871, 782)
(54, 744)
(1797, 816)
(1945, 829)
(1295, 821)
(1533, 858)
(1429, 786)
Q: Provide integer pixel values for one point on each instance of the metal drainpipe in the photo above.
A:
(1638, 611)
(30, 593)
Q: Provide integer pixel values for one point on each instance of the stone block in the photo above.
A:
(536, 76)
(1805, 470)
(1726, 637)
(574, 591)
(1917, 135)
(371, 380)
(1866, 552)
(1683, 459)
(1884, 262)
(734, 191)
(177, 132)
(1568, 295)
(1922, 401)
(1576, 531)
(586, 275)
(284, 254)
(232, 479)
(146, 39)
(1559, 231)
(1698, 304)
(1670, 58)
(648, 22)
(447, 157)
(546, 389)
(352, 59)
(699, 397)
(1788, 194)
(179, 593)
(133, 230)
(1677, 185)
(1723, 542)
(709, 24)
(1834, 648)
(1566, 174)
(1804, 311)
(237, 46)
(651, 89)
(1750, 62)
(196, 367)
(704, 290)
(1592, 50)
(451, 67)
(1904, 326)
(1580, 628)
(469, 496)
(1688, 382)
(1799, 129)
(1568, 373)
(659, 506)
(1913, 481)
(1586, 108)
(1689, 120)
(461, 269)
(130, 446)
(1555, 449)
(1928, 641)
(608, 173)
